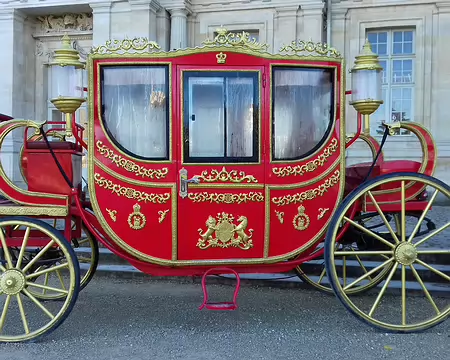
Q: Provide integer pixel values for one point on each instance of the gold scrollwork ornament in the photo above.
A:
(322, 212)
(136, 219)
(301, 220)
(112, 214)
(162, 215)
(226, 233)
(280, 215)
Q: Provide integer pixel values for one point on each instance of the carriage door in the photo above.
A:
(221, 173)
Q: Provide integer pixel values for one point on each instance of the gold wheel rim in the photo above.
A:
(17, 268)
(404, 253)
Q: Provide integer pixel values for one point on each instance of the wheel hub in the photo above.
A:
(406, 253)
(12, 282)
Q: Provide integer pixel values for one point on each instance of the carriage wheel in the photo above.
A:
(352, 266)
(23, 317)
(87, 252)
(416, 259)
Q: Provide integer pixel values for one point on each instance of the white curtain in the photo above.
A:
(135, 108)
(302, 106)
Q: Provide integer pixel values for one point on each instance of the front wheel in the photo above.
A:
(26, 255)
(418, 260)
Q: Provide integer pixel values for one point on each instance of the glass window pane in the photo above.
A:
(206, 117)
(135, 108)
(407, 48)
(398, 36)
(221, 116)
(408, 36)
(239, 109)
(398, 48)
(373, 38)
(382, 49)
(407, 93)
(384, 65)
(382, 37)
(302, 110)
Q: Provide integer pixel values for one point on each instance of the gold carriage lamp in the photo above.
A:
(366, 84)
(67, 81)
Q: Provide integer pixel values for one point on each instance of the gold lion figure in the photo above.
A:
(207, 235)
(243, 238)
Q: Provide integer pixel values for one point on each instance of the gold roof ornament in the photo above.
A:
(309, 48)
(366, 59)
(138, 44)
(231, 39)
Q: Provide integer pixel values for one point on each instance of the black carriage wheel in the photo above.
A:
(23, 316)
(407, 253)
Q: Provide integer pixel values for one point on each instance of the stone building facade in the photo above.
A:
(411, 38)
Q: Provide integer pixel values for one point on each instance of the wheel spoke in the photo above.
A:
(362, 277)
(427, 294)
(344, 270)
(42, 307)
(356, 252)
(60, 279)
(403, 215)
(383, 289)
(5, 249)
(362, 266)
(22, 314)
(437, 272)
(375, 203)
(4, 312)
(403, 294)
(38, 256)
(46, 287)
(424, 213)
(22, 249)
(45, 271)
(368, 232)
(435, 251)
(435, 232)
(322, 275)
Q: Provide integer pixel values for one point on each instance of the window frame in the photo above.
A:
(167, 87)
(389, 86)
(257, 95)
(331, 121)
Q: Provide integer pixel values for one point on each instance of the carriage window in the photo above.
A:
(302, 110)
(135, 109)
(221, 116)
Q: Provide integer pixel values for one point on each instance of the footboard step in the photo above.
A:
(227, 305)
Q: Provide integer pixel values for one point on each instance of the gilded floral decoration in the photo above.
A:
(226, 198)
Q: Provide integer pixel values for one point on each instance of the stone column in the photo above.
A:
(286, 26)
(143, 18)
(163, 29)
(101, 18)
(313, 21)
(178, 28)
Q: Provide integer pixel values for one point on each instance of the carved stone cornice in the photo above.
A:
(152, 5)
(81, 22)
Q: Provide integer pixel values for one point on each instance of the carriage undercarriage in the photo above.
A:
(262, 206)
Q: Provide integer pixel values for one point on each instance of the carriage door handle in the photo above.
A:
(184, 181)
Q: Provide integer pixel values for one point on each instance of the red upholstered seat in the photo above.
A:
(355, 174)
(57, 145)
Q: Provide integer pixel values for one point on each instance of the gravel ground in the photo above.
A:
(141, 319)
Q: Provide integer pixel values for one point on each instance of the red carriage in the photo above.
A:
(219, 159)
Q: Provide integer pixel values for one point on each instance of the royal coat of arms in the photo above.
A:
(222, 232)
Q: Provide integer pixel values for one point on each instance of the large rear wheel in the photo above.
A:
(418, 261)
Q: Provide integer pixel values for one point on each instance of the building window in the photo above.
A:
(396, 51)
(253, 34)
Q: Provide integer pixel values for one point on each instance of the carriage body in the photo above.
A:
(222, 155)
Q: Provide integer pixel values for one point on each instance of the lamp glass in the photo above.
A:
(366, 85)
(67, 81)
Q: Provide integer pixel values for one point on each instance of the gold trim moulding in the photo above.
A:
(308, 194)
(129, 165)
(310, 48)
(129, 192)
(310, 166)
(33, 210)
(227, 198)
(224, 175)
